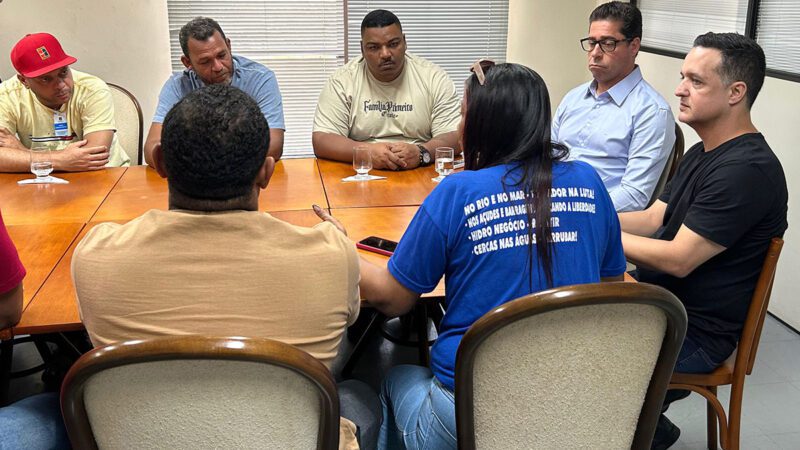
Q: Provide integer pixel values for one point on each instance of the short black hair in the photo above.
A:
(378, 19)
(200, 29)
(627, 14)
(742, 60)
(214, 143)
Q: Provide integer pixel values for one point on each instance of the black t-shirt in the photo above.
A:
(735, 196)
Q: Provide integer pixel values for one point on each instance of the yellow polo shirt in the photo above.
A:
(89, 109)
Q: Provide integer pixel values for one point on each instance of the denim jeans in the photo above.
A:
(418, 412)
(693, 359)
(359, 404)
(33, 423)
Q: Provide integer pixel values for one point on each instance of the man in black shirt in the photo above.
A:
(706, 237)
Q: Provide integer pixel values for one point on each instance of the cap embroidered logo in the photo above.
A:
(43, 53)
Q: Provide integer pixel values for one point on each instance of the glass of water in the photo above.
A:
(362, 162)
(41, 163)
(444, 162)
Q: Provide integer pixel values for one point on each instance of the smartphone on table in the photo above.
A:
(378, 245)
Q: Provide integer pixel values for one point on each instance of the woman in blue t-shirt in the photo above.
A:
(482, 230)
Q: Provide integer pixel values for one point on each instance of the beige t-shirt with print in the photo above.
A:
(89, 109)
(416, 106)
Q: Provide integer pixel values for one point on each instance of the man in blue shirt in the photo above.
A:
(617, 122)
(208, 60)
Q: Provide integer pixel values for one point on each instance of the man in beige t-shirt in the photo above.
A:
(213, 264)
(50, 105)
(398, 104)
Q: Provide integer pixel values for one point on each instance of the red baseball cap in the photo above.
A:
(39, 53)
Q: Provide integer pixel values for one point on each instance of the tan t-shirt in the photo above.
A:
(416, 106)
(238, 273)
(90, 109)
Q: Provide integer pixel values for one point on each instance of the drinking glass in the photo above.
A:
(362, 162)
(41, 163)
(444, 162)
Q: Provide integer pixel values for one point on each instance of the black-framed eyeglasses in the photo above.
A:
(480, 67)
(606, 45)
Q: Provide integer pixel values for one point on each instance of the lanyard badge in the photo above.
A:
(60, 127)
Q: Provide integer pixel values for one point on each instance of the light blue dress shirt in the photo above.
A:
(251, 77)
(625, 133)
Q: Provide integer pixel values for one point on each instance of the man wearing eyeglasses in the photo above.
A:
(617, 122)
(400, 105)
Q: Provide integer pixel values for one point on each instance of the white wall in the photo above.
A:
(544, 35)
(775, 114)
(122, 42)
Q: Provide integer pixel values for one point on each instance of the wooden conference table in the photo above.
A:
(46, 222)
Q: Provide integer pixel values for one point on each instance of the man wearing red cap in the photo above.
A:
(48, 104)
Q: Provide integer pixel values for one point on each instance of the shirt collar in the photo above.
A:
(619, 92)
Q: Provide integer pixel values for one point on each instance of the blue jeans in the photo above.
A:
(359, 404)
(418, 412)
(693, 359)
(33, 423)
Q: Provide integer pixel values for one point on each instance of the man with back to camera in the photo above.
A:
(713, 223)
(617, 122)
(50, 105)
(400, 105)
(214, 265)
(208, 60)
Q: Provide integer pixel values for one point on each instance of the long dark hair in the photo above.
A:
(507, 121)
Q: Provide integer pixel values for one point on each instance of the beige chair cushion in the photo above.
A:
(567, 379)
(195, 404)
(127, 119)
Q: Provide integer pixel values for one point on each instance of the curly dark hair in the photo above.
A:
(214, 143)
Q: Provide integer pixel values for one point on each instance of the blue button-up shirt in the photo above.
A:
(625, 133)
(251, 77)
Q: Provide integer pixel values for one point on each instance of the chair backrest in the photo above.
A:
(582, 366)
(198, 392)
(673, 161)
(128, 117)
(756, 313)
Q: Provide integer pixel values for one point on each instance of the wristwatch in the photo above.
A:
(424, 156)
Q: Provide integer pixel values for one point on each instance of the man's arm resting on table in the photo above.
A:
(678, 257)
(410, 153)
(383, 292)
(340, 148)
(153, 138)
(91, 153)
(643, 223)
(11, 307)
(444, 140)
(14, 160)
(275, 143)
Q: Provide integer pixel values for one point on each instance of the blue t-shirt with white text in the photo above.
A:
(473, 229)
